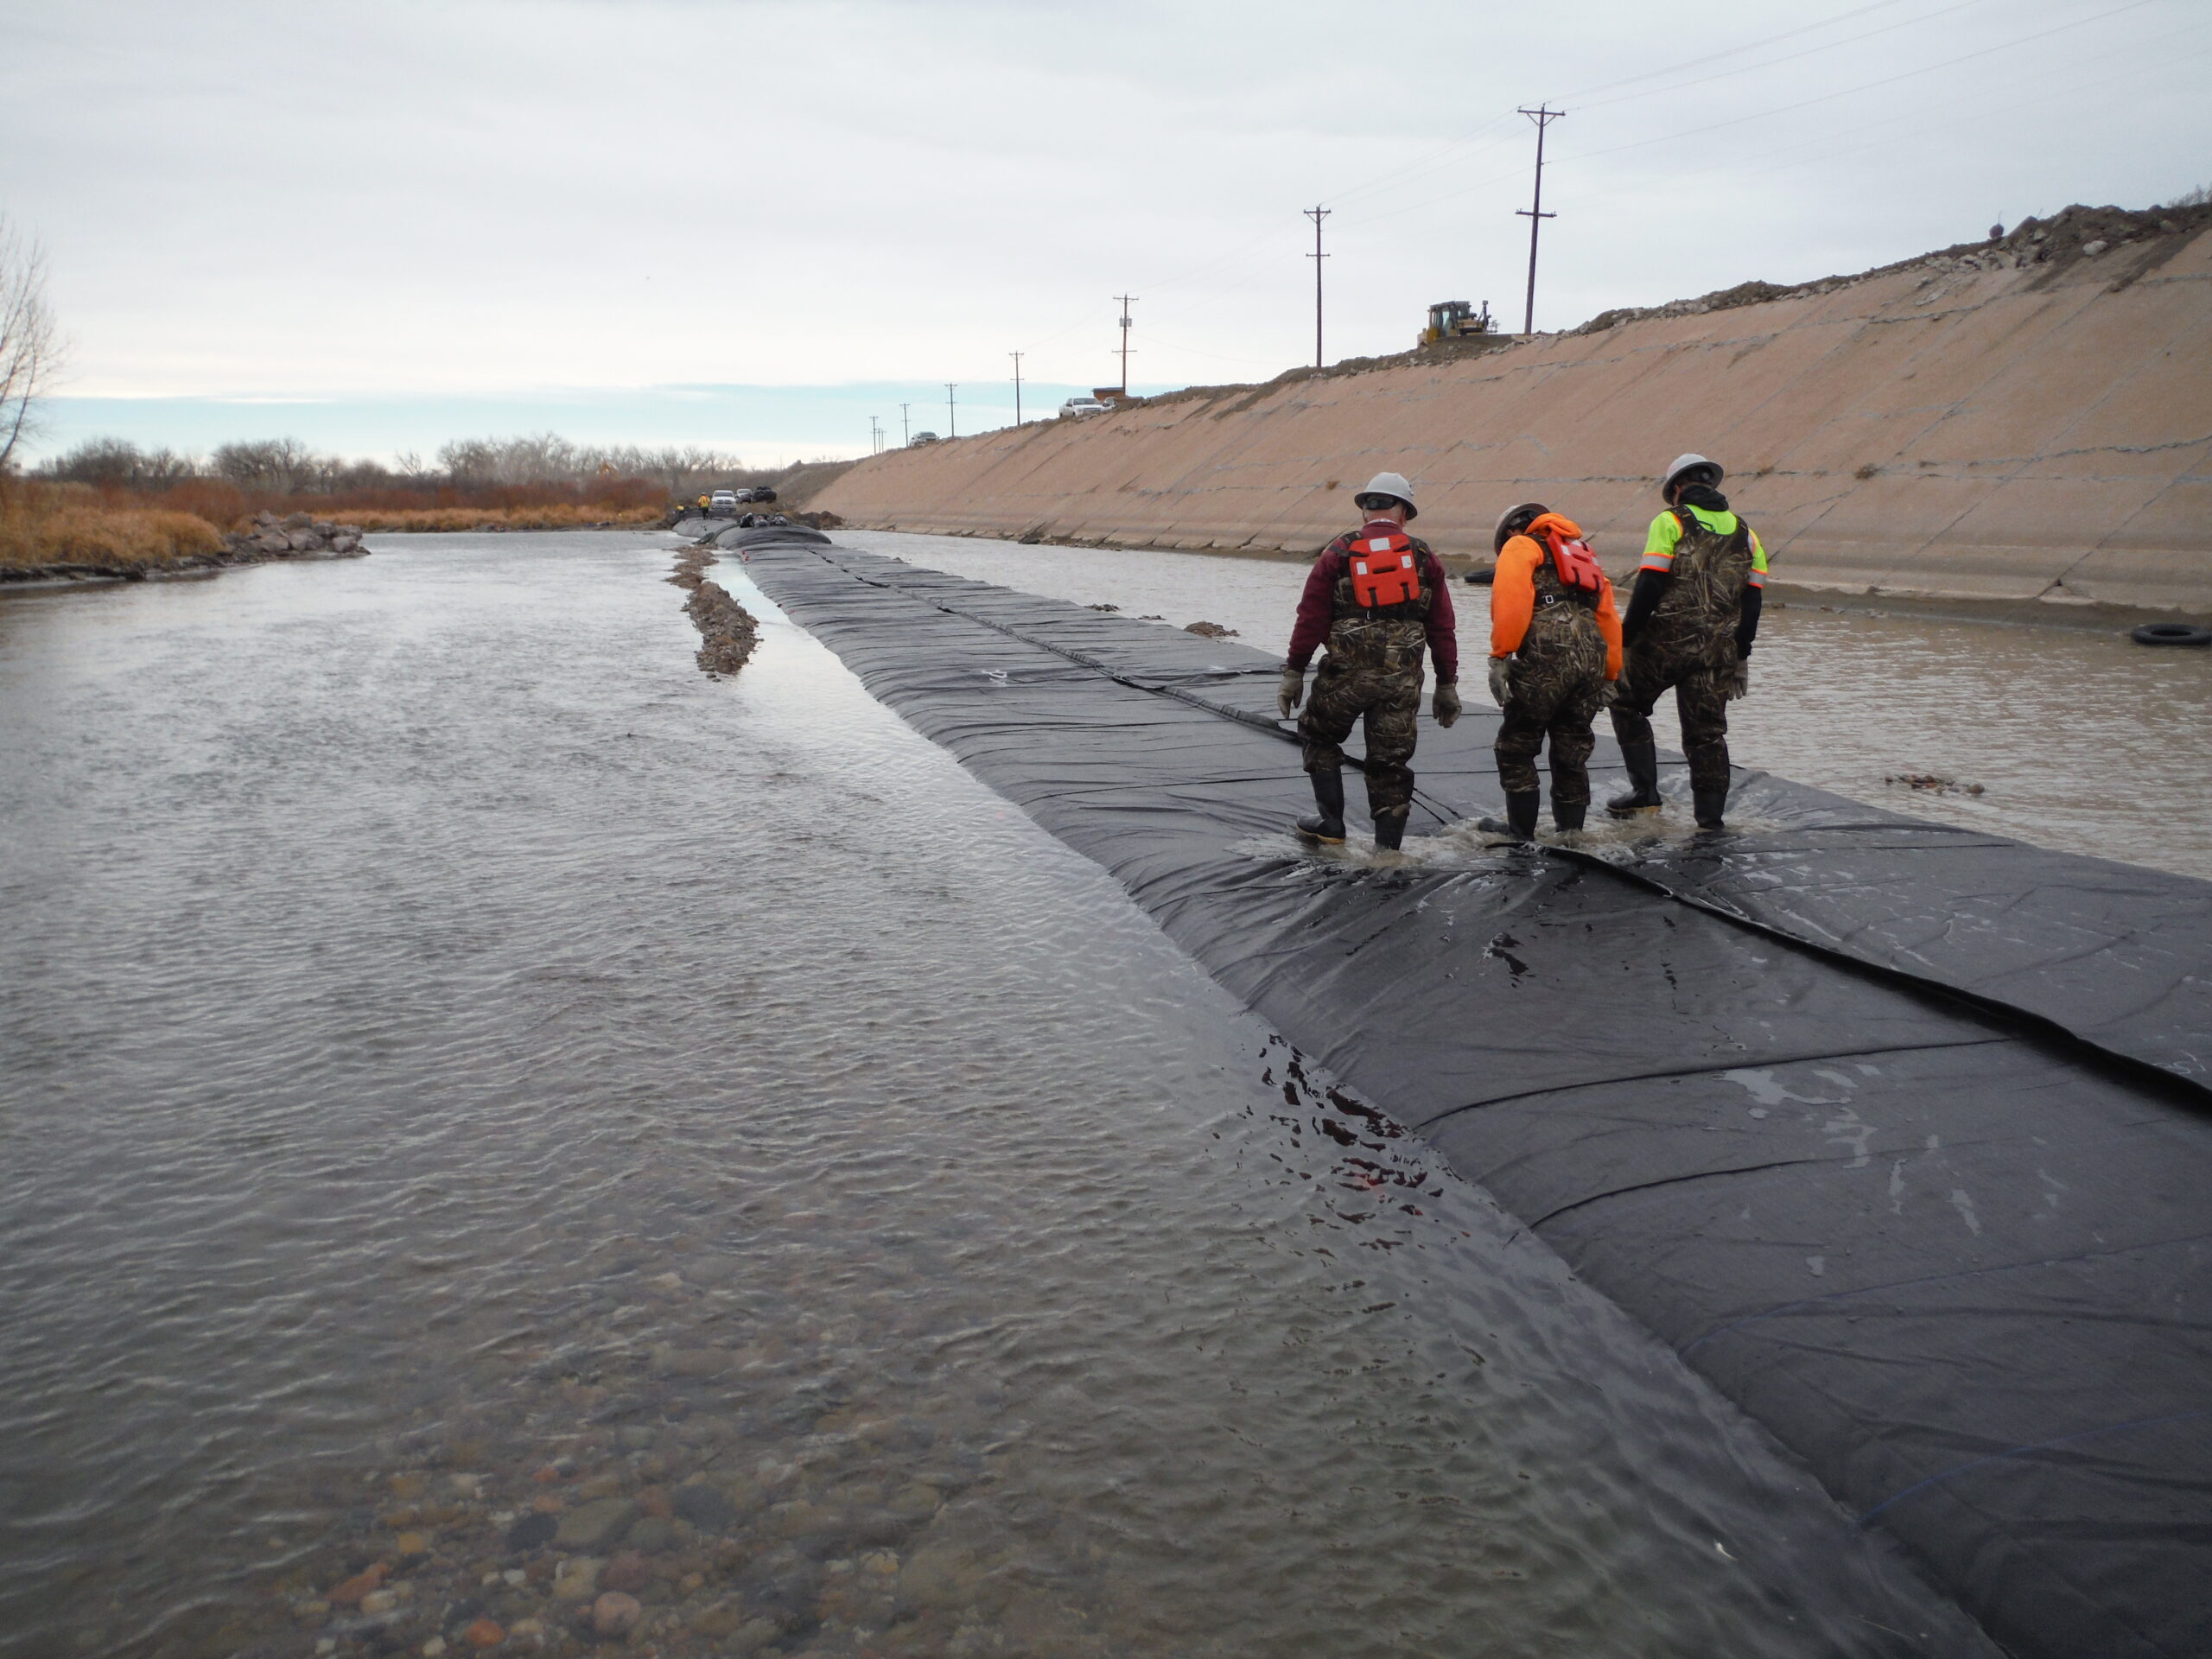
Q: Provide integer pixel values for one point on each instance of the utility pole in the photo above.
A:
(1543, 114)
(1016, 356)
(952, 421)
(874, 435)
(1317, 214)
(1127, 300)
(906, 428)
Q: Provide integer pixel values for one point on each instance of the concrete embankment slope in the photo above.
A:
(1959, 425)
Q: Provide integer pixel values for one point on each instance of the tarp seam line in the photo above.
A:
(1782, 1308)
(1426, 1124)
(2039, 1446)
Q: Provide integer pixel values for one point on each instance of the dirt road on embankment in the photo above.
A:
(2019, 419)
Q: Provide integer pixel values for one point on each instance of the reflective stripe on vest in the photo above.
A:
(1384, 571)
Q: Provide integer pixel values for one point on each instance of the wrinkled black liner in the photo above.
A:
(1952, 1252)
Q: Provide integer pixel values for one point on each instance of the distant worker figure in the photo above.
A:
(705, 501)
(1554, 654)
(1690, 625)
(1378, 596)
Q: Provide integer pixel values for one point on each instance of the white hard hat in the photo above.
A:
(1393, 485)
(1526, 513)
(1683, 464)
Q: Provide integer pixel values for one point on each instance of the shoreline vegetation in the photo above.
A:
(108, 511)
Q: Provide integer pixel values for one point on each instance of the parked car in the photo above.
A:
(1075, 408)
(926, 437)
(723, 502)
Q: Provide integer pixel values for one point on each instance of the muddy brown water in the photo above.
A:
(2074, 737)
(466, 1075)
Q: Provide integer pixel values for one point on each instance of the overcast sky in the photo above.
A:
(755, 224)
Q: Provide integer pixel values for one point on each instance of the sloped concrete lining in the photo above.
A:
(1956, 427)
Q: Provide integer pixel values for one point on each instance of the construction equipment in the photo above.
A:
(1457, 319)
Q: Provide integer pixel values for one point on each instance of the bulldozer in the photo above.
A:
(1457, 319)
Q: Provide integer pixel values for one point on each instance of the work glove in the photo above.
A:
(1291, 692)
(1501, 680)
(1445, 705)
(1739, 683)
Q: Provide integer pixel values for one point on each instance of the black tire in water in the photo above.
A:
(1482, 575)
(2171, 633)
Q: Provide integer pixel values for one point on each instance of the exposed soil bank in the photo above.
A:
(2020, 419)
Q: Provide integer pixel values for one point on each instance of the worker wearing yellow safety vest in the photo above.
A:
(1689, 628)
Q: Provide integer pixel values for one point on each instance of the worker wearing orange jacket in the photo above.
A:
(1554, 655)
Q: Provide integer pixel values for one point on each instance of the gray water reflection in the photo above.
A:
(2077, 740)
(465, 1077)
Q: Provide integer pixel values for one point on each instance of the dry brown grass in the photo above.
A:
(559, 515)
(59, 525)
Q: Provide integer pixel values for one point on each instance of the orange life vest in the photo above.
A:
(1384, 571)
(1572, 557)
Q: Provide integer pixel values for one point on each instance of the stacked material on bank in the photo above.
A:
(1896, 1133)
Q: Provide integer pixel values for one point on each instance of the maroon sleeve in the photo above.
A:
(1316, 608)
(1443, 628)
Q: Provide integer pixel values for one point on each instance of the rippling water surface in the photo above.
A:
(491, 1119)
(2074, 737)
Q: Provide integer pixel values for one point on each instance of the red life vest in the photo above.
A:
(1573, 559)
(1384, 571)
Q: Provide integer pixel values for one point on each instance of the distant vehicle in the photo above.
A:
(1077, 408)
(722, 498)
(926, 437)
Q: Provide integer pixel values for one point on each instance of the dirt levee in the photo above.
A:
(2023, 418)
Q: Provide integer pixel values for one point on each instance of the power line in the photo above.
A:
(1865, 87)
(1317, 214)
(1768, 63)
(1543, 114)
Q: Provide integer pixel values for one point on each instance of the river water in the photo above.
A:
(2071, 737)
(466, 1076)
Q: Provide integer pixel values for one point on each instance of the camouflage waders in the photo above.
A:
(1559, 685)
(1373, 670)
(1689, 645)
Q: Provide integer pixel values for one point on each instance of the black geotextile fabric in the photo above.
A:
(1954, 1255)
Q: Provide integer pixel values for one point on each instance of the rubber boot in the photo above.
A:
(1520, 819)
(1708, 804)
(1328, 824)
(1567, 816)
(1390, 831)
(1641, 756)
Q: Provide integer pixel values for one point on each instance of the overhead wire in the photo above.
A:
(1864, 86)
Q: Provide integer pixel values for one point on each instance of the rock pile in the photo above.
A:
(300, 535)
(727, 631)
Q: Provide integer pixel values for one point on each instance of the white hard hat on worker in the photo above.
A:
(1386, 490)
(1711, 470)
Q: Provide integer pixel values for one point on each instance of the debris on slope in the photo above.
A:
(2073, 234)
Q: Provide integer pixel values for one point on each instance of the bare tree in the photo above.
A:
(31, 354)
(278, 464)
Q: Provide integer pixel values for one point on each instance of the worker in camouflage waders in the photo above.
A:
(1690, 625)
(1377, 597)
(1554, 655)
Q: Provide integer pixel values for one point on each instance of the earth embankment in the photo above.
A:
(2029, 418)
